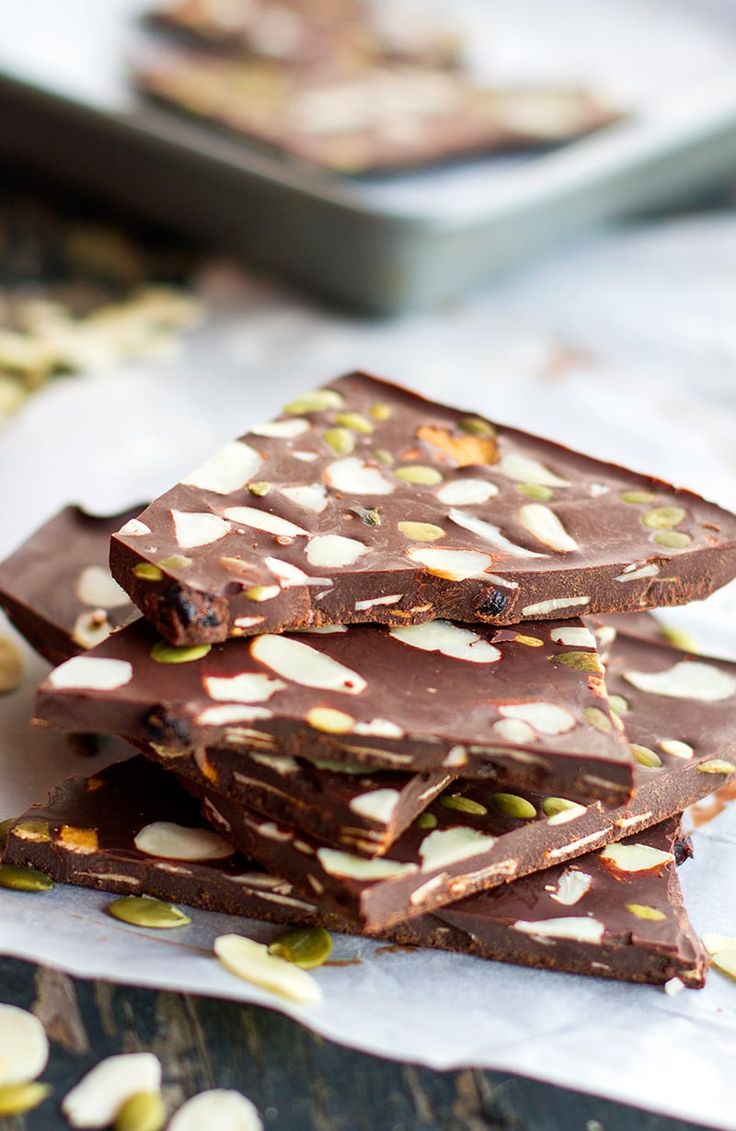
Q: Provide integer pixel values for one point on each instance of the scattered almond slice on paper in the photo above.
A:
(252, 961)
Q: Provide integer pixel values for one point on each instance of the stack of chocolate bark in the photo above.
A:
(364, 697)
(332, 83)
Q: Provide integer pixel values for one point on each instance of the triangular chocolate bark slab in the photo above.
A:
(589, 917)
(437, 696)
(365, 502)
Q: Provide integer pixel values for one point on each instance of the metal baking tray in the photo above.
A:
(385, 244)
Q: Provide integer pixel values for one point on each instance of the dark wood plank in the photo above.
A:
(300, 1082)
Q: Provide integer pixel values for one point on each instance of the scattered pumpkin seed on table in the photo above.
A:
(142, 911)
(17, 878)
(306, 947)
(144, 1111)
(15, 1099)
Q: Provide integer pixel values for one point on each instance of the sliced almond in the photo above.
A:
(177, 842)
(217, 1110)
(228, 469)
(24, 1047)
(251, 961)
(302, 664)
(98, 1097)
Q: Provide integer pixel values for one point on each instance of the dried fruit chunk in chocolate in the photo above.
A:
(436, 696)
(365, 502)
(641, 934)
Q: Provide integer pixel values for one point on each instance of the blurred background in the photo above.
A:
(207, 205)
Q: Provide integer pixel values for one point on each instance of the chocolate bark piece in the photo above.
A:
(366, 502)
(40, 589)
(593, 916)
(105, 813)
(680, 717)
(57, 589)
(438, 696)
(343, 35)
(381, 116)
(85, 834)
(350, 807)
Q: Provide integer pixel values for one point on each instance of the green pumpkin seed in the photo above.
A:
(419, 474)
(341, 440)
(164, 653)
(672, 539)
(176, 561)
(33, 828)
(644, 756)
(664, 518)
(370, 515)
(259, 487)
(262, 592)
(578, 661)
(421, 531)
(355, 421)
(618, 704)
(144, 1111)
(474, 426)
(304, 946)
(643, 912)
(551, 806)
(380, 411)
(534, 491)
(380, 455)
(140, 911)
(637, 497)
(319, 400)
(463, 804)
(716, 766)
(514, 806)
(5, 827)
(596, 718)
(427, 821)
(147, 572)
(17, 1098)
(17, 878)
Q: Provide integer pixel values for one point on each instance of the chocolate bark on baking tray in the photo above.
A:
(344, 35)
(618, 915)
(437, 696)
(364, 119)
(366, 502)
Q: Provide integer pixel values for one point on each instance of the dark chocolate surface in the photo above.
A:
(86, 835)
(57, 589)
(684, 747)
(550, 533)
(434, 696)
(39, 587)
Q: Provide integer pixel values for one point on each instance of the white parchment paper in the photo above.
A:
(627, 348)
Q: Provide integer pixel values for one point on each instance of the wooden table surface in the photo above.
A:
(300, 1082)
